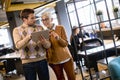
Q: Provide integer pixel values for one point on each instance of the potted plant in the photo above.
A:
(115, 12)
(99, 14)
(115, 9)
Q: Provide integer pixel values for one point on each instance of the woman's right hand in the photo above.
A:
(54, 34)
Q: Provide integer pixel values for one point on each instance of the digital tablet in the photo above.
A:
(36, 35)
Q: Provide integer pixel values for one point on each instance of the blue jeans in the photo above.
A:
(32, 69)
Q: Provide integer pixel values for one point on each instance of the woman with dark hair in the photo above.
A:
(74, 39)
(75, 43)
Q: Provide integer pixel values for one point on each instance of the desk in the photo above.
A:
(103, 61)
(12, 61)
(95, 54)
(5, 50)
(13, 55)
(108, 41)
(109, 29)
(107, 32)
(99, 49)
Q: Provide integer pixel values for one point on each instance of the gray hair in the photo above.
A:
(47, 14)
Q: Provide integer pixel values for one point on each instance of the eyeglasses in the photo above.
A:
(46, 19)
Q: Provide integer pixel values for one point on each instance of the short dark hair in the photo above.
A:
(24, 13)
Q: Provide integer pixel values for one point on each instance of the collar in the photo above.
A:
(53, 27)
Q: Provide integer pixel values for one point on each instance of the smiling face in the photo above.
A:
(28, 17)
(30, 20)
(47, 20)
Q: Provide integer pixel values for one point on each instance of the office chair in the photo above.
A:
(5, 51)
(114, 68)
(90, 43)
(92, 59)
(9, 65)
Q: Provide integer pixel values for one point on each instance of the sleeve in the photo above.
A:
(18, 40)
(47, 44)
(63, 38)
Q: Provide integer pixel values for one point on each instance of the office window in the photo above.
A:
(87, 13)
(4, 37)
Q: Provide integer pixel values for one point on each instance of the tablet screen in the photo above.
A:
(36, 35)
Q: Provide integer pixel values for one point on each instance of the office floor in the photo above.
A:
(53, 77)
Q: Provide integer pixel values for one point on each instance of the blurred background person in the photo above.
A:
(75, 43)
(74, 39)
(102, 25)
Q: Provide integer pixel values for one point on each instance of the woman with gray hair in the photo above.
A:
(59, 56)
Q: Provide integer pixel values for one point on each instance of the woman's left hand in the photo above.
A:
(54, 34)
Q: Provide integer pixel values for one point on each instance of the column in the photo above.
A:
(14, 21)
(63, 17)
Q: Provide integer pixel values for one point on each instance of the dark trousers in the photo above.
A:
(67, 67)
(32, 69)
